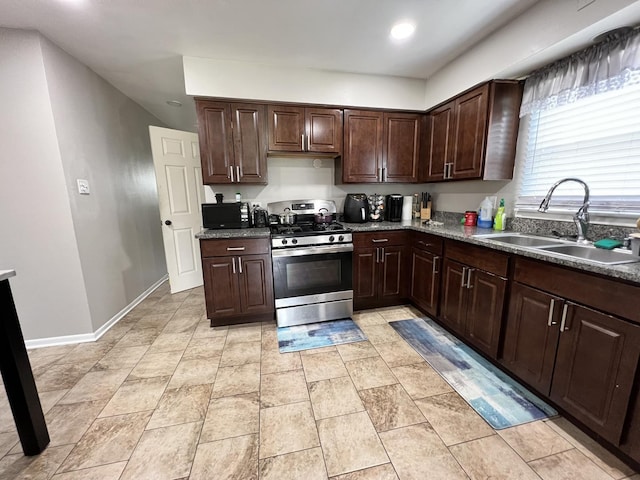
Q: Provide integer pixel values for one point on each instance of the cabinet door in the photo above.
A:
(324, 130)
(595, 369)
(531, 335)
(440, 133)
(250, 150)
(484, 310)
(470, 133)
(425, 280)
(453, 305)
(392, 282)
(216, 141)
(365, 285)
(401, 147)
(256, 284)
(221, 286)
(362, 156)
(286, 128)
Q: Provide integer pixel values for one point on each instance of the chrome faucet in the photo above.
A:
(581, 217)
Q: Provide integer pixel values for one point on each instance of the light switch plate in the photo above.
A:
(83, 186)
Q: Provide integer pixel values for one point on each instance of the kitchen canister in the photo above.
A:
(407, 207)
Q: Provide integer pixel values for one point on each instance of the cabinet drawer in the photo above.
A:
(428, 242)
(234, 246)
(379, 239)
(478, 257)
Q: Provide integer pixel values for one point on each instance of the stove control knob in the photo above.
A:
(284, 241)
(341, 238)
(331, 238)
(294, 241)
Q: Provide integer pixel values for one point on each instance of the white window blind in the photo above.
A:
(596, 139)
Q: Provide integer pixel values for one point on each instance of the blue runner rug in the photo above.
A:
(317, 335)
(499, 399)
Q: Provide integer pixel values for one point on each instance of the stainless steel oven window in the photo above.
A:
(311, 274)
(318, 274)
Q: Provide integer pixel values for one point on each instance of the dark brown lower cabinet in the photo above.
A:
(238, 288)
(472, 304)
(530, 342)
(596, 365)
(379, 272)
(582, 359)
(425, 279)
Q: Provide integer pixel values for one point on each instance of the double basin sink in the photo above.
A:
(564, 248)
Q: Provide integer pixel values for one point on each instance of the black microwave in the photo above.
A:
(225, 215)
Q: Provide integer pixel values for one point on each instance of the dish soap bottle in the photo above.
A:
(485, 219)
(500, 219)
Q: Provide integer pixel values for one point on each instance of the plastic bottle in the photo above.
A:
(499, 220)
(238, 197)
(485, 218)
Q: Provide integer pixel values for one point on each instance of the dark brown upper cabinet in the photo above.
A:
(295, 129)
(473, 136)
(233, 144)
(381, 147)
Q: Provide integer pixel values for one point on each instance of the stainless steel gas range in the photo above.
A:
(312, 262)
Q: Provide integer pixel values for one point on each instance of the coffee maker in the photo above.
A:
(394, 207)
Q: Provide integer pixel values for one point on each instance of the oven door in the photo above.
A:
(304, 271)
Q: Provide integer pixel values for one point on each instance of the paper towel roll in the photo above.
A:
(407, 207)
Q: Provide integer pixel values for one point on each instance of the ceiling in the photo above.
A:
(137, 45)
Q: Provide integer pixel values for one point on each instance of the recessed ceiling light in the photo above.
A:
(174, 103)
(402, 30)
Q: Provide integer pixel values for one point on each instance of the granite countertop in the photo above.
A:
(628, 271)
(234, 233)
(6, 274)
(455, 231)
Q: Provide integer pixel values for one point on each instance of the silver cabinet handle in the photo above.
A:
(235, 249)
(380, 173)
(469, 278)
(240, 264)
(231, 170)
(464, 274)
(424, 243)
(563, 322)
(381, 254)
(550, 321)
(302, 142)
(308, 142)
(377, 255)
(434, 270)
(233, 263)
(379, 240)
(237, 173)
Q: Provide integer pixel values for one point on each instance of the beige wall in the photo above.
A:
(37, 238)
(103, 137)
(80, 260)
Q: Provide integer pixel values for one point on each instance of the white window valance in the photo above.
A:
(609, 65)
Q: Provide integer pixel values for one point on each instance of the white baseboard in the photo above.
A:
(92, 337)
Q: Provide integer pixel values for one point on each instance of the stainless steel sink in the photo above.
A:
(593, 254)
(522, 240)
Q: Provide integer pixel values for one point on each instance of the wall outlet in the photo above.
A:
(256, 204)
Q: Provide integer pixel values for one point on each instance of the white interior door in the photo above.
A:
(176, 157)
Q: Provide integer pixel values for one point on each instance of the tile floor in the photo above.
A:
(163, 396)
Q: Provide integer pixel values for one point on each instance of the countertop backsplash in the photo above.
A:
(545, 227)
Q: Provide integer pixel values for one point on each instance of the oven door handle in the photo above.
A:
(317, 250)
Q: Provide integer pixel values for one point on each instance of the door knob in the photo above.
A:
(167, 222)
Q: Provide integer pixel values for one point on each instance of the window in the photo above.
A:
(596, 139)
